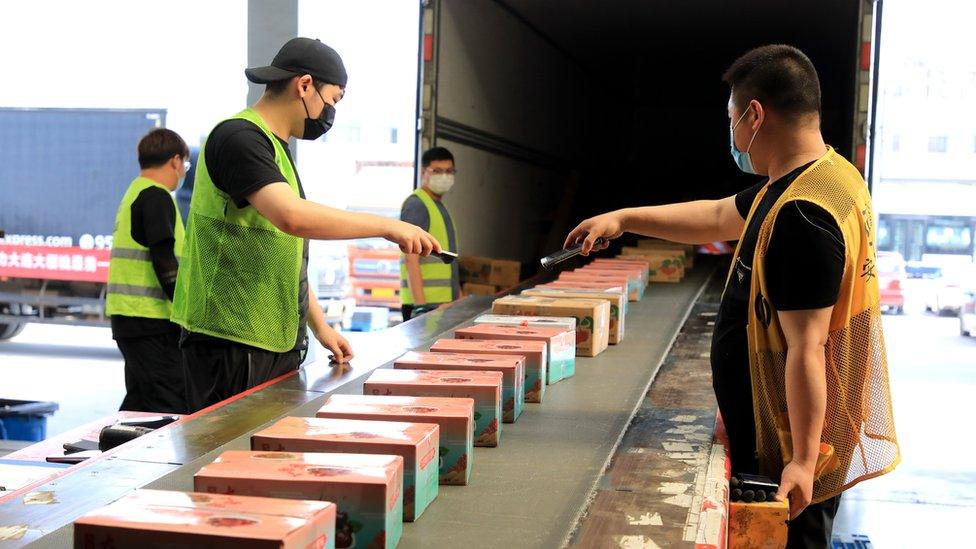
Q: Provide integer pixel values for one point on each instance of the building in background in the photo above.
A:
(925, 151)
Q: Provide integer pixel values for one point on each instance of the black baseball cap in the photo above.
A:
(302, 56)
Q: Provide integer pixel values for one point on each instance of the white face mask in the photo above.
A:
(441, 183)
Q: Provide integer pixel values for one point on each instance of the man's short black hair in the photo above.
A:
(278, 87)
(434, 154)
(782, 78)
(159, 146)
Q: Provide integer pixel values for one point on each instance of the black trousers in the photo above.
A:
(413, 311)
(814, 527)
(216, 371)
(153, 374)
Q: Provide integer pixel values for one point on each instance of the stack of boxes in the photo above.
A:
(668, 261)
(351, 475)
(487, 276)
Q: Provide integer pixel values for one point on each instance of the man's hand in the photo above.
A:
(606, 226)
(335, 343)
(411, 238)
(796, 484)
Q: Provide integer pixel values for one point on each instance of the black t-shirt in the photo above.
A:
(153, 220)
(240, 160)
(804, 266)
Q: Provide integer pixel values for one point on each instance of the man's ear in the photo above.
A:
(760, 112)
(304, 85)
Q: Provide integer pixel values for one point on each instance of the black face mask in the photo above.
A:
(316, 127)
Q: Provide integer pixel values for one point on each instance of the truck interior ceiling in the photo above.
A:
(579, 107)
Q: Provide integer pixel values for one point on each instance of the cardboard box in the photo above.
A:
(638, 270)
(631, 261)
(455, 417)
(473, 288)
(657, 244)
(637, 277)
(628, 260)
(416, 443)
(485, 270)
(635, 292)
(666, 266)
(561, 344)
(484, 387)
(536, 355)
(511, 367)
(564, 322)
(617, 300)
(158, 518)
(367, 489)
(585, 285)
(758, 524)
(592, 317)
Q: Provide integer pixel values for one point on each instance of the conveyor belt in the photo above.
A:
(528, 492)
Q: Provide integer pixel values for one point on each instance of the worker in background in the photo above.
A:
(242, 295)
(146, 245)
(798, 360)
(427, 283)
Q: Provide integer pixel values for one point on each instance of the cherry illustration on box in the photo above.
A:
(368, 489)
(158, 518)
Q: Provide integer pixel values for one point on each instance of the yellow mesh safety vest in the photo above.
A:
(437, 275)
(858, 440)
(239, 278)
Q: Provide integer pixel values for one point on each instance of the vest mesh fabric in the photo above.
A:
(858, 440)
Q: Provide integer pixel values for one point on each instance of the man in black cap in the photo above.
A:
(242, 293)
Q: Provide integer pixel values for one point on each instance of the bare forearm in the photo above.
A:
(317, 221)
(806, 399)
(695, 222)
(415, 279)
(316, 318)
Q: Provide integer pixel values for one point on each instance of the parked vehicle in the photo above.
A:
(58, 227)
(891, 280)
(951, 290)
(917, 269)
(967, 315)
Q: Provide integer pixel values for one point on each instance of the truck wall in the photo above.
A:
(515, 92)
(638, 114)
(63, 173)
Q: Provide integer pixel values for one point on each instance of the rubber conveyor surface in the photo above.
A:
(530, 491)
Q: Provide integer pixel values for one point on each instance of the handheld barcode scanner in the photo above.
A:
(446, 256)
(553, 259)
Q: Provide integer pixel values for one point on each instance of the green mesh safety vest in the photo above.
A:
(239, 277)
(133, 288)
(437, 275)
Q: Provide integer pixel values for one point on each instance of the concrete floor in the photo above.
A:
(931, 496)
(80, 368)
